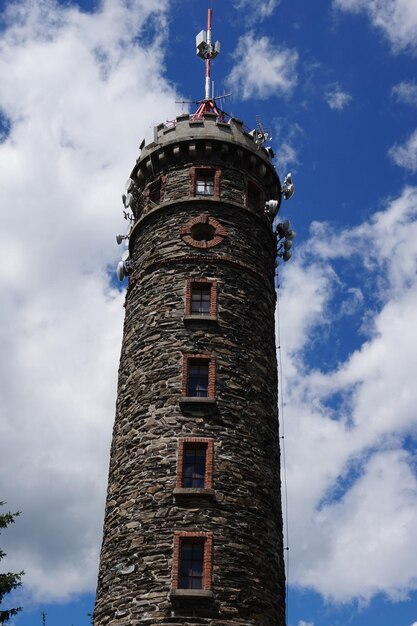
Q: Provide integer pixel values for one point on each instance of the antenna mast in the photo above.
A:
(210, 54)
(207, 51)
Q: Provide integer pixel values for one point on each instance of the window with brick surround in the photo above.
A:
(155, 191)
(201, 298)
(205, 181)
(198, 376)
(254, 197)
(195, 463)
(192, 562)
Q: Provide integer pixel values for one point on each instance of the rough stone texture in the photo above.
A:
(142, 511)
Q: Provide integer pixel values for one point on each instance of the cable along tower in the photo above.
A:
(193, 522)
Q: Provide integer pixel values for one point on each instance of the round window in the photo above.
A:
(203, 231)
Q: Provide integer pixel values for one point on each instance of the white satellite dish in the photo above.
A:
(129, 185)
(271, 206)
(126, 199)
(125, 255)
(120, 271)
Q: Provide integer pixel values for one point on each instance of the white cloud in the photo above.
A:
(406, 92)
(80, 91)
(352, 486)
(405, 155)
(303, 623)
(336, 98)
(288, 137)
(267, 71)
(396, 18)
(257, 10)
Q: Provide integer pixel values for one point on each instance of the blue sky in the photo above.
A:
(336, 82)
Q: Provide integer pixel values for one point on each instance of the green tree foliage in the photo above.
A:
(8, 581)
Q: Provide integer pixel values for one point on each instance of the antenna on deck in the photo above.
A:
(207, 51)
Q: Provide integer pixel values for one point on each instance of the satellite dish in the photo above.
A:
(288, 191)
(288, 179)
(125, 255)
(129, 184)
(287, 255)
(286, 226)
(271, 206)
(287, 244)
(290, 234)
(126, 199)
(119, 238)
(120, 271)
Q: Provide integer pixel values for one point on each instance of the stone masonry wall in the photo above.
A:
(243, 515)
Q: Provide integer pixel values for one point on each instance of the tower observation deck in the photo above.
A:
(193, 523)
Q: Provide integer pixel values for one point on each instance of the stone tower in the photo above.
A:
(193, 524)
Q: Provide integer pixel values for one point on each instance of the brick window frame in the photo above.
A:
(191, 282)
(219, 233)
(211, 362)
(207, 539)
(206, 170)
(255, 203)
(153, 194)
(208, 474)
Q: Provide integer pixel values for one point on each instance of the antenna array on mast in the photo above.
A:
(207, 51)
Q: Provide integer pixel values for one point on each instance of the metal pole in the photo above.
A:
(208, 60)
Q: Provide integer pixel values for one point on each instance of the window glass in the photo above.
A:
(191, 564)
(204, 185)
(198, 376)
(155, 191)
(194, 469)
(200, 298)
(254, 197)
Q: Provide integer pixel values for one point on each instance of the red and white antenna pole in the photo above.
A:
(207, 51)
(208, 59)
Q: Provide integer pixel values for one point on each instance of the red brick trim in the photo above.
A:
(206, 169)
(219, 234)
(208, 477)
(213, 294)
(211, 360)
(207, 538)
